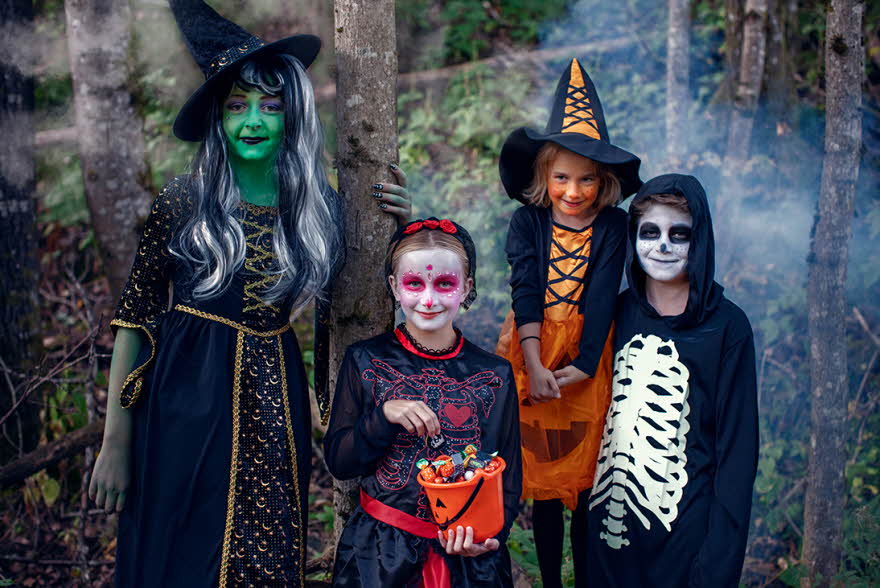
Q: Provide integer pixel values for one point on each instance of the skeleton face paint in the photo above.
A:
(663, 242)
(430, 285)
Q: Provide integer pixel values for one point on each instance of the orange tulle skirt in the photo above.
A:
(560, 438)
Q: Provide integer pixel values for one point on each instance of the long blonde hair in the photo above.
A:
(536, 193)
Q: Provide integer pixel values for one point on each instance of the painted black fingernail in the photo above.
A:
(377, 186)
(393, 166)
(377, 194)
(383, 206)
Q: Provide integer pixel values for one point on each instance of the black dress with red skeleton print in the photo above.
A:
(474, 396)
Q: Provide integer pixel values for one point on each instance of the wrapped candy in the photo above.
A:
(460, 466)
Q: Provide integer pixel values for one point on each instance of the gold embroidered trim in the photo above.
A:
(230, 323)
(233, 465)
(257, 208)
(136, 372)
(294, 470)
(251, 290)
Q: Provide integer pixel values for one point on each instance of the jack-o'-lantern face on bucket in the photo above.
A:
(477, 503)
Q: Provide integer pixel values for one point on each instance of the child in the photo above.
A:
(421, 380)
(566, 249)
(672, 495)
(207, 448)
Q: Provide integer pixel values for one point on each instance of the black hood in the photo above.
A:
(705, 294)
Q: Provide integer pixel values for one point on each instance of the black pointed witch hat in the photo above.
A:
(220, 47)
(577, 123)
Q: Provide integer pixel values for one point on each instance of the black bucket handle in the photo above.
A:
(470, 501)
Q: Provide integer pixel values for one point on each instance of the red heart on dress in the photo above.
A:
(457, 415)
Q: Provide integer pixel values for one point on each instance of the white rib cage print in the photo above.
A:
(642, 457)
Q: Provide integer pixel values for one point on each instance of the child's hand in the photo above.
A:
(462, 543)
(569, 375)
(542, 385)
(412, 415)
(393, 198)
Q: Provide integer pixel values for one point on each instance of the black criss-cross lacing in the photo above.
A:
(563, 276)
(583, 110)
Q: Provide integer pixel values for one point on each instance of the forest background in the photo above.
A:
(472, 71)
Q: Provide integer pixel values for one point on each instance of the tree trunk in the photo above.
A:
(19, 265)
(742, 117)
(366, 120)
(677, 82)
(748, 87)
(109, 130)
(826, 290)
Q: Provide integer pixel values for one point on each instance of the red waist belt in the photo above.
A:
(435, 572)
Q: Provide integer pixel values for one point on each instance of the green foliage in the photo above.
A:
(861, 546)
(61, 188)
(474, 24)
(521, 545)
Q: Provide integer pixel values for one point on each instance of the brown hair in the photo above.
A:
(428, 239)
(536, 193)
(641, 204)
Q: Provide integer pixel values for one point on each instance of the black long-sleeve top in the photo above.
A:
(672, 495)
(472, 393)
(529, 239)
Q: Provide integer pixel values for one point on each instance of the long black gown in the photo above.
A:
(219, 399)
(474, 396)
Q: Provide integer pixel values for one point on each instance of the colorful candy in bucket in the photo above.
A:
(464, 489)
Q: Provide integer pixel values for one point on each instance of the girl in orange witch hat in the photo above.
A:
(566, 248)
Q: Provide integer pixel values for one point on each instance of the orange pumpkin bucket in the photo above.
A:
(477, 503)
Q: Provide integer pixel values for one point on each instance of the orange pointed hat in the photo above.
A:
(577, 123)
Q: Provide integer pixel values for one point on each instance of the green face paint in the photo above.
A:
(254, 125)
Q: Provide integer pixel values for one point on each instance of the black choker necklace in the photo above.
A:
(425, 350)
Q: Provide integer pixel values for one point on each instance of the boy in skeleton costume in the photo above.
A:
(672, 493)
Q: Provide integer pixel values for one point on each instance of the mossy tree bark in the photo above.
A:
(826, 291)
(109, 130)
(677, 78)
(366, 129)
(739, 132)
(19, 266)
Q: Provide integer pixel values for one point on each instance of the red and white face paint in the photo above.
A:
(430, 286)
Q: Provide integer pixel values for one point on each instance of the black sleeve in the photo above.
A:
(358, 433)
(510, 451)
(719, 561)
(145, 295)
(525, 274)
(321, 355)
(601, 293)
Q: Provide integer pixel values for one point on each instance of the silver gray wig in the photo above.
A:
(307, 239)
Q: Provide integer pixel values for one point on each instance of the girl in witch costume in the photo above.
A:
(207, 437)
(566, 249)
(422, 379)
(672, 493)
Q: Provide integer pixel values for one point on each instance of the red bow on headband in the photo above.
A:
(444, 225)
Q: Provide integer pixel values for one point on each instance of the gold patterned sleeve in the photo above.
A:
(145, 295)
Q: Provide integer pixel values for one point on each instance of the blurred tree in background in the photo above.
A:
(470, 72)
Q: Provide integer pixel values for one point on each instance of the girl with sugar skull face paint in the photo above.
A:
(420, 392)
(672, 491)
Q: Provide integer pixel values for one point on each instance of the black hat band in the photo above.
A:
(233, 54)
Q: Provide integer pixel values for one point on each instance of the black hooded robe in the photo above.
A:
(671, 499)
(474, 396)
